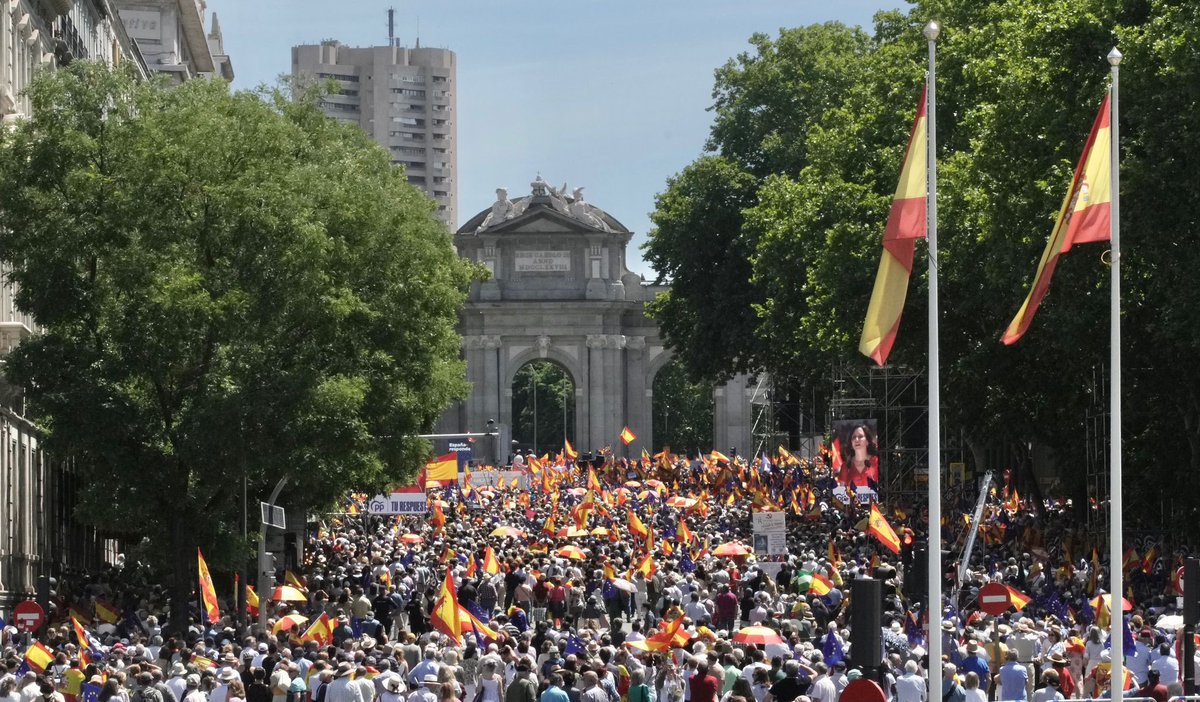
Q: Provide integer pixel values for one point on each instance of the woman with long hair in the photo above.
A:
(860, 458)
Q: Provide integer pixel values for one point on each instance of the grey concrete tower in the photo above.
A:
(405, 99)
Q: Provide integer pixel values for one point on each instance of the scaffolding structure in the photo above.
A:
(896, 398)
(1096, 426)
(774, 415)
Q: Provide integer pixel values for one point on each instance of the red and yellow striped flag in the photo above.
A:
(627, 436)
(906, 223)
(446, 616)
(1084, 217)
(491, 565)
(569, 450)
(879, 527)
(207, 592)
(107, 612)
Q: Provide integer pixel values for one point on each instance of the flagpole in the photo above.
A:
(934, 603)
(1116, 501)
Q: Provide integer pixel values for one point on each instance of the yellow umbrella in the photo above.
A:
(572, 552)
(731, 548)
(287, 593)
(507, 531)
(291, 621)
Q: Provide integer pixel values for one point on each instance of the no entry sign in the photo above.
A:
(993, 599)
(28, 616)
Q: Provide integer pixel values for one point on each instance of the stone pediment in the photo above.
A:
(549, 205)
(542, 220)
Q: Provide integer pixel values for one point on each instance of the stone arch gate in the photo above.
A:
(560, 291)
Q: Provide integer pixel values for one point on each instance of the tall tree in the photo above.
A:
(764, 104)
(230, 286)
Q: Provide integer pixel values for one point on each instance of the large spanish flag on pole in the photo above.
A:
(1084, 217)
(207, 592)
(446, 616)
(906, 223)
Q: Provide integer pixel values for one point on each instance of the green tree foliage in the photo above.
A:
(683, 411)
(763, 105)
(229, 286)
(1019, 83)
(553, 412)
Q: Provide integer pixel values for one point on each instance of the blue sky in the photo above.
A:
(608, 94)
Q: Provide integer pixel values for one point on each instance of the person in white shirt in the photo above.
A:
(428, 692)
(971, 687)
(342, 688)
(280, 682)
(910, 687)
(177, 683)
(220, 693)
(192, 692)
(1166, 664)
(822, 689)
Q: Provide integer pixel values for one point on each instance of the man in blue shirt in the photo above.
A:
(1013, 678)
(973, 663)
(555, 692)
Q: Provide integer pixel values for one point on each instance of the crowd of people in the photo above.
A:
(627, 581)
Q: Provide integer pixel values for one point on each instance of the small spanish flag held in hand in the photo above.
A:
(627, 436)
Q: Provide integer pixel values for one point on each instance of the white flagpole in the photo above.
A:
(1116, 501)
(934, 603)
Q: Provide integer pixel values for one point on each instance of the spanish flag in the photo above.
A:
(906, 223)
(251, 600)
(820, 585)
(684, 534)
(637, 526)
(569, 450)
(446, 616)
(627, 436)
(443, 469)
(1017, 598)
(107, 612)
(292, 579)
(646, 567)
(207, 592)
(491, 566)
(879, 527)
(1084, 217)
(38, 658)
(320, 631)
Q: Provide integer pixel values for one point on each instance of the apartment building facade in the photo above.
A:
(404, 98)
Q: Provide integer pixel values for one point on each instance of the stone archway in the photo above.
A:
(559, 291)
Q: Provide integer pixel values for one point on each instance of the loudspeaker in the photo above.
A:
(866, 619)
(916, 578)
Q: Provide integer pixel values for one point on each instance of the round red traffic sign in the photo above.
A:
(28, 616)
(993, 599)
(863, 690)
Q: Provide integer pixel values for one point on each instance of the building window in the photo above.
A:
(440, 79)
(409, 92)
(336, 76)
(405, 78)
(416, 180)
(438, 180)
(409, 136)
(410, 121)
(439, 122)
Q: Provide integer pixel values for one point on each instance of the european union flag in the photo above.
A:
(832, 649)
(574, 645)
(407, 561)
(686, 564)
